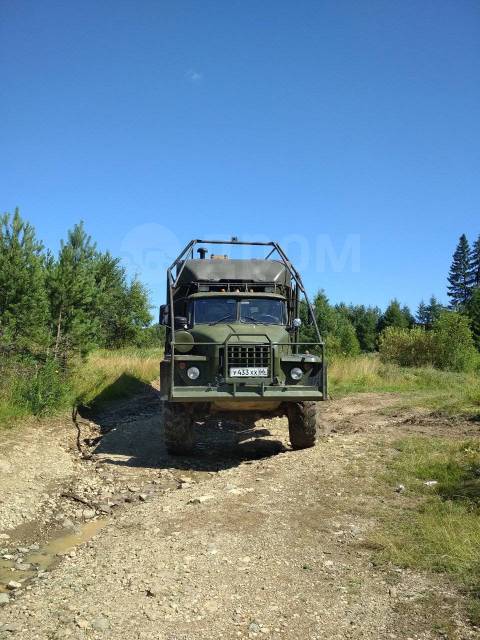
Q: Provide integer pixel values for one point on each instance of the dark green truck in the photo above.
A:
(232, 344)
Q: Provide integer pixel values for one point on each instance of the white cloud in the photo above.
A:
(195, 77)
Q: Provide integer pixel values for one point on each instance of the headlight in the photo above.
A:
(296, 373)
(193, 373)
(183, 341)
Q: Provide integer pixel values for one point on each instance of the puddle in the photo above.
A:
(46, 557)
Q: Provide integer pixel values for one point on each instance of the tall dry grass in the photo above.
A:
(108, 375)
(359, 371)
(427, 387)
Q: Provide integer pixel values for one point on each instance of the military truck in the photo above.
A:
(232, 343)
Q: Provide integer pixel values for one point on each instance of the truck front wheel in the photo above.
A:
(302, 424)
(178, 428)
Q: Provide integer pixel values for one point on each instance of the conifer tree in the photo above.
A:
(475, 264)
(23, 301)
(72, 289)
(422, 314)
(474, 315)
(365, 324)
(428, 313)
(333, 324)
(409, 319)
(138, 309)
(364, 320)
(110, 308)
(434, 309)
(395, 316)
(122, 308)
(460, 276)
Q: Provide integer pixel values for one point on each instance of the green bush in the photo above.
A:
(46, 390)
(407, 347)
(448, 346)
(33, 387)
(152, 336)
(454, 345)
(343, 343)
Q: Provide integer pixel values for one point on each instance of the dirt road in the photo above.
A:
(246, 540)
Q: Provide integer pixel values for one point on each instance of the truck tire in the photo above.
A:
(302, 424)
(178, 428)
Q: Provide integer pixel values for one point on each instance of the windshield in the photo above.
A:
(264, 310)
(247, 310)
(208, 310)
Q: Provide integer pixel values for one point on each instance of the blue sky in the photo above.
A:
(348, 130)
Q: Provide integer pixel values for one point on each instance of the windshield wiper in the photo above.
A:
(253, 320)
(221, 319)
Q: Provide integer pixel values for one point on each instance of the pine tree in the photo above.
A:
(395, 316)
(434, 309)
(422, 314)
(364, 320)
(474, 315)
(73, 291)
(366, 328)
(110, 308)
(122, 308)
(428, 313)
(92, 303)
(475, 264)
(460, 276)
(138, 309)
(335, 328)
(409, 319)
(324, 313)
(23, 301)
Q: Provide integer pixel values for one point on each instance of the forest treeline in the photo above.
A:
(66, 304)
(446, 337)
(57, 307)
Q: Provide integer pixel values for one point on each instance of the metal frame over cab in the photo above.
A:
(281, 356)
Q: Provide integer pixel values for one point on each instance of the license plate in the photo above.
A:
(248, 372)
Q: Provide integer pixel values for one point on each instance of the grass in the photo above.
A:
(111, 375)
(439, 529)
(444, 391)
(103, 377)
(10, 413)
(30, 387)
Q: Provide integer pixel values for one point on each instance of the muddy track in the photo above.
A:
(245, 539)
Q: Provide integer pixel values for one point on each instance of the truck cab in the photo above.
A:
(232, 344)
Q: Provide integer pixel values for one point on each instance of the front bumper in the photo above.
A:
(241, 392)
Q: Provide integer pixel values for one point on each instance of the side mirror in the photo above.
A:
(163, 316)
(180, 322)
(296, 323)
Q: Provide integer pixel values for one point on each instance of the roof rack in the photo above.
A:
(275, 250)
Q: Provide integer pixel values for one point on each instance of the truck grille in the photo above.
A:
(252, 355)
